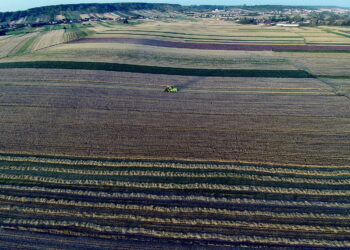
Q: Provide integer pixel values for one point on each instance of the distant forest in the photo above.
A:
(51, 11)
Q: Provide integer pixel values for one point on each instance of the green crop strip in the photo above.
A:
(105, 24)
(20, 31)
(121, 14)
(26, 46)
(159, 70)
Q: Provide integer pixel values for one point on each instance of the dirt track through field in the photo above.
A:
(213, 46)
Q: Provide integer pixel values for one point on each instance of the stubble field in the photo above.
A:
(241, 118)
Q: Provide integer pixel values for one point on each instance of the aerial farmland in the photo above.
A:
(251, 150)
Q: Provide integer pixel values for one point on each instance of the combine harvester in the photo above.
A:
(171, 89)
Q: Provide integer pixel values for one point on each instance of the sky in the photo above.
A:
(14, 5)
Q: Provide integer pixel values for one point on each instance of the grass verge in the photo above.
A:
(159, 70)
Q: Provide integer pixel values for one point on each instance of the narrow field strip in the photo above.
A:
(204, 39)
(193, 198)
(217, 46)
(292, 169)
(148, 87)
(167, 186)
(193, 34)
(269, 178)
(261, 92)
(175, 235)
(158, 70)
(192, 222)
(233, 213)
(31, 80)
(140, 208)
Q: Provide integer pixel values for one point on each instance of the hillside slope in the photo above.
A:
(73, 11)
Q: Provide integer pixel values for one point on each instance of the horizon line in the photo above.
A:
(219, 5)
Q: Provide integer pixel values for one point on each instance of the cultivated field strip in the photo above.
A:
(27, 224)
(194, 89)
(210, 175)
(13, 44)
(215, 46)
(188, 198)
(267, 168)
(168, 125)
(33, 81)
(176, 186)
(48, 39)
(95, 200)
(237, 39)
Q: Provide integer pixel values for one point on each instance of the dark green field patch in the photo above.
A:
(159, 70)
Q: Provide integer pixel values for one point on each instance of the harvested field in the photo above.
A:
(321, 64)
(244, 119)
(252, 151)
(4, 37)
(49, 39)
(220, 32)
(60, 17)
(111, 15)
(83, 16)
(160, 56)
(161, 207)
(340, 84)
(175, 36)
(12, 44)
(216, 46)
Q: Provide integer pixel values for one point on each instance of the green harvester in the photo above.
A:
(171, 89)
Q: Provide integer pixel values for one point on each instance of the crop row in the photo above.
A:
(303, 170)
(114, 205)
(179, 174)
(192, 186)
(188, 222)
(192, 198)
(226, 212)
(175, 235)
(183, 167)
